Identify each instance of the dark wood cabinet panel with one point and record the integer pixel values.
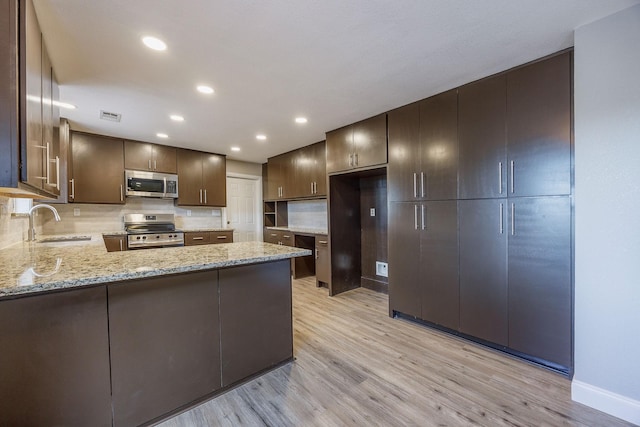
(193, 238)
(115, 243)
(359, 145)
(150, 157)
(201, 179)
(439, 145)
(540, 296)
(482, 138)
(323, 262)
(217, 237)
(274, 173)
(33, 125)
(370, 141)
(165, 348)
(340, 149)
(439, 263)
(319, 168)
(165, 158)
(97, 169)
(539, 127)
(483, 269)
(404, 258)
(54, 363)
(214, 179)
(9, 90)
(297, 174)
(189, 178)
(255, 319)
(403, 171)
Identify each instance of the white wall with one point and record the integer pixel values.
(607, 215)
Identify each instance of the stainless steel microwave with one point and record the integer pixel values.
(151, 184)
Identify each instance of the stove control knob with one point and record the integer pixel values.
(157, 237)
(144, 237)
(137, 237)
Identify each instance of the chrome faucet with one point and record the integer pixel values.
(32, 230)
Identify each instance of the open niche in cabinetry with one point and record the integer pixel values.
(275, 214)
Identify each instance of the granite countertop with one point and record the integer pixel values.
(30, 268)
(300, 230)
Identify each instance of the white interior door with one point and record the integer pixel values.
(242, 208)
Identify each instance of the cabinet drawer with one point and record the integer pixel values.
(221, 237)
(197, 238)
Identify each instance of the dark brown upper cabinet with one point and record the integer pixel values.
(279, 171)
(482, 109)
(201, 178)
(150, 157)
(309, 171)
(404, 153)
(30, 164)
(423, 149)
(359, 145)
(539, 128)
(96, 169)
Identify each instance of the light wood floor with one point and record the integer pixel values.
(356, 366)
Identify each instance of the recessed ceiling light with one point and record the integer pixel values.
(261, 137)
(235, 148)
(162, 135)
(154, 43)
(64, 105)
(205, 89)
(176, 118)
(301, 120)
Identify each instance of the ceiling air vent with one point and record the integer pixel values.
(112, 117)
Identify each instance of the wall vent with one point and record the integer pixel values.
(112, 117)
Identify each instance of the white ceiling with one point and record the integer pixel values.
(333, 61)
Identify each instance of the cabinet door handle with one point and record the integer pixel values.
(355, 156)
(513, 219)
(48, 151)
(197, 238)
(316, 253)
(201, 196)
(149, 164)
(322, 242)
(285, 236)
(500, 177)
(57, 173)
(221, 237)
(312, 188)
(415, 184)
(205, 196)
(422, 184)
(415, 216)
(72, 181)
(513, 167)
(501, 218)
(423, 217)
(121, 193)
(120, 241)
(155, 165)
(350, 159)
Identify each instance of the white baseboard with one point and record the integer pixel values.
(606, 401)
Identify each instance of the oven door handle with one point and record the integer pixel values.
(164, 187)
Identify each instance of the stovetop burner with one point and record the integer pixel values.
(152, 231)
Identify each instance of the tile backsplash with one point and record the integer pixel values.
(94, 218)
(12, 230)
(310, 214)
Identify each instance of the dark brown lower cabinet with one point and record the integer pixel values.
(255, 319)
(404, 259)
(323, 262)
(483, 269)
(540, 295)
(423, 265)
(54, 362)
(439, 263)
(115, 243)
(165, 347)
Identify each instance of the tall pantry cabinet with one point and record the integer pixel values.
(513, 210)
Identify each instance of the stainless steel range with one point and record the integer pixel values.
(152, 231)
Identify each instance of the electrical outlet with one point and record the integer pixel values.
(76, 211)
(382, 269)
(372, 212)
(188, 212)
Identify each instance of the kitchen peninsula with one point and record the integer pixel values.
(129, 338)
